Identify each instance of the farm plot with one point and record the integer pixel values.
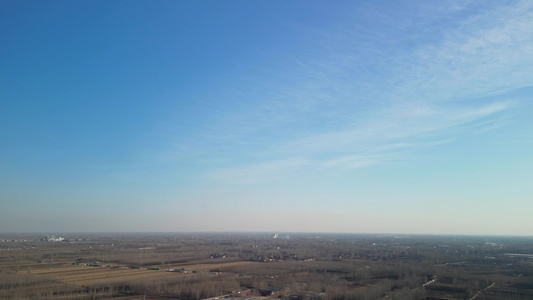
(88, 275)
(214, 266)
(82, 275)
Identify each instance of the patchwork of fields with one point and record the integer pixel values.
(305, 267)
(87, 275)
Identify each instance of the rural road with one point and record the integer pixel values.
(481, 291)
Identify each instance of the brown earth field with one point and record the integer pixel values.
(87, 275)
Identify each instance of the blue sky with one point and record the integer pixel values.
(344, 116)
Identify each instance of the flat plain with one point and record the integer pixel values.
(280, 266)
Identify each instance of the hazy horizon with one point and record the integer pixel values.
(389, 117)
(281, 235)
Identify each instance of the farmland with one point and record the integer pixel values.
(295, 266)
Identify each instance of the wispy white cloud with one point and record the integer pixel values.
(376, 143)
(354, 161)
(487, 53)
(360, 96)
(393, 146)
(259, 173)
(396, 124)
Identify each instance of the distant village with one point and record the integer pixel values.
(52, 238)
(47, 238)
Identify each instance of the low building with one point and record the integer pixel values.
(52, 238)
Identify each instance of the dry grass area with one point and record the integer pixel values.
(219, 265)
(86, 275)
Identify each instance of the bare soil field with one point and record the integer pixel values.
(217, 265)
(87, 275)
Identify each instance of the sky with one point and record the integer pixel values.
(293, 116)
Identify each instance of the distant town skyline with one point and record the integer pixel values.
(266, 116)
